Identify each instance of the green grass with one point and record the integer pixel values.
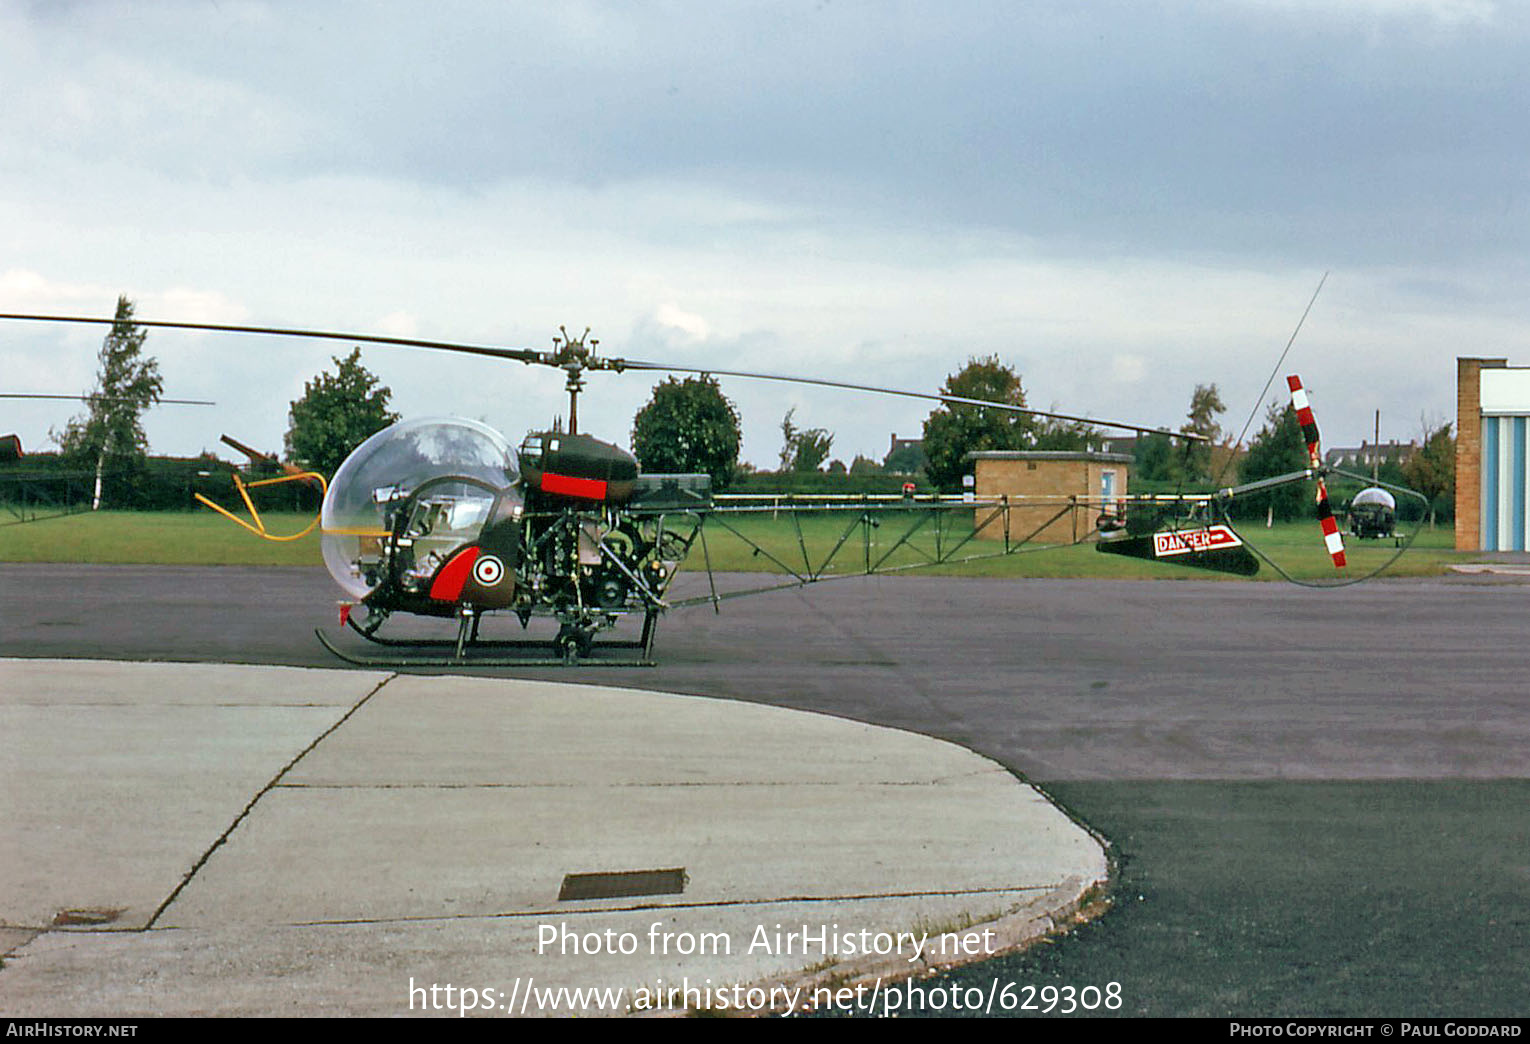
(155, 538)
(1296, 547)
(202, 538)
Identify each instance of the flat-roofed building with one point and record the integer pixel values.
(1055, 495)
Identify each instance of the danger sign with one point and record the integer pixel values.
(1189, 541)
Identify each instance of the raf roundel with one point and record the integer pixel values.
(488, 570)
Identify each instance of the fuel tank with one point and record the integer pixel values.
(579, 467)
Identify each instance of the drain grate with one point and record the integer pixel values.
(622, 884)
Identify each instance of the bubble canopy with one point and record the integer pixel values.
(1375, 497)
(387, 468)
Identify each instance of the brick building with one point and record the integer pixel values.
(1056, 495)
(1492, 455)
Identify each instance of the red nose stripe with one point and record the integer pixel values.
(568, 486)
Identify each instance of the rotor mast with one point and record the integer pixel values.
(574, 355)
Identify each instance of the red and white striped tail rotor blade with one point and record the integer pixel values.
(1332, 539)
(1331, 536)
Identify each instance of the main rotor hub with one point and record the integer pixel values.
(574, 353)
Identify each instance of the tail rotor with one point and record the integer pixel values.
(1332, 538)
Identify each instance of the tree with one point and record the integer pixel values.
(1432, 470)
(1205, 403)
(1277, 449)
(689, 426)
(1053, 433)
(864, 466)
(336, 414)
(906, 459)
(1195, 457)
(110, 436)
(789, 435)
(1153, 458)
(952, 431)
(1161, 458)
(803, 449)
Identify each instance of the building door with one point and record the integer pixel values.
(1505, 462)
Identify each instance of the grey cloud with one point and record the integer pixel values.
(1199, 128)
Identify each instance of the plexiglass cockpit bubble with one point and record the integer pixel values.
(379, 478)
(1375, 497)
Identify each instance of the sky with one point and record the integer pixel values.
(1120, 200)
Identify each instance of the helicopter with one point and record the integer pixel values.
(443, 518)
(1373, 514)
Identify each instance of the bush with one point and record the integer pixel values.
(822, 482)
(160, 484)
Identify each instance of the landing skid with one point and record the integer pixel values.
(467, 651)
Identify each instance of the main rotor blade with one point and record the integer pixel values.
(631, 364)
(526, 355)
(102, 398)
(529, 355)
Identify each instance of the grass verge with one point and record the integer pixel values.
(202, 538)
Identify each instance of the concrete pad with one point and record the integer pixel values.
(550, 734)
(116, 778)
(1492, 568)
(426, 839)
(484, 852)
(369, 969)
